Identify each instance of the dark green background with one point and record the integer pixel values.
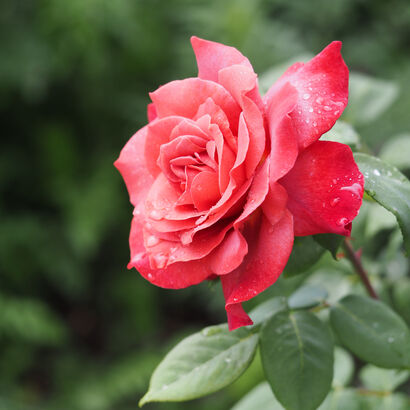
(77, 329)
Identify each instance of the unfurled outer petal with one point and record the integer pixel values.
(132, 166)
(269, 250)
(212, 57)
(176, 276)
(325, 189)
(322, 87)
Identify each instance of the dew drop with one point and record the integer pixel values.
(342, 221)
(314, 123)
(327, 108)
(156, 215)
(150, 276)
(152, 240)
(160, 260)
(306, 96)
(228, 360)
(355, 189)
(376, 172)
(334, 201)
(307, 121)
(336, 112)
(310, 109)
(319, 100)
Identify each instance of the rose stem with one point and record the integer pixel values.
(357, 264)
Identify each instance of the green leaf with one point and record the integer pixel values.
(267, 309)
(368, 98)
(305, 253)
(372, 331)
(383, 380)
(343, 368)
(297, 356)
(401, 298)
(390, 188)
(260, 397)
(342, 399)
(329, 241)
(307, 296)
(201, 364)
(344, 133)
(397, 401)
(396, 151)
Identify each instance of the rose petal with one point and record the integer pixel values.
(183, 98)
(132, 166)
(229, 254)
(284, 145)
(322, 86)
(176, 276)
(205, 190)
(151, 112)
(257, 193)
(181, 146)
(172, 250)
(159, 133)
(212, 57)
(269, 250)
(325, 189)
(219, 118)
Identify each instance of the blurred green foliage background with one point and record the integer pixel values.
(77, 330)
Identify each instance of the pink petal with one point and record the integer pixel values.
(205, 190)
(178, 147)
(132, 166)
(151, 112)
(322, 86)
(229, 254)
(275, 202)
(212, 57)
(184, 97)
(284, 145)
(325, 189)
(171, 250)
(159, 133)
(176, 276)
(218, 117)
(257, 193)
(269, 250)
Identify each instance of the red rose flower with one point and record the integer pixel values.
(222, 180)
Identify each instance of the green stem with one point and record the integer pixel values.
(357, 264)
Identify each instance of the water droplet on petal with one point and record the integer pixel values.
(156, 215)
(319, 100)
(152, 240)
(314, 123)
(342, 221)
(310, 109)
(307, 121)
(355, 189)
(150, 276)
(306, 96)
(336, 112)
(160, 260)
(334, 201)
(327, 108)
